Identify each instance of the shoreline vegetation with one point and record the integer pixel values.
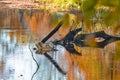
(39, 4)
(96, 13)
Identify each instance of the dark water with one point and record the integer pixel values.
(20, 28)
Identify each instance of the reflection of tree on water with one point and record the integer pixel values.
(88, 64)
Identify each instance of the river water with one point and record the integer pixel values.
(21, 28)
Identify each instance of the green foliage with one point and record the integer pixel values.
(63, 3)
(67, 3)
(107, 10)
(111, 3)
(88, 8)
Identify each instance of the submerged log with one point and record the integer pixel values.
(97, 39)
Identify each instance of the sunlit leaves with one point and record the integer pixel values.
(67, 3)
(62, 3)
(106, 10)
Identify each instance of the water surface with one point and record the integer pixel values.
(21, 28)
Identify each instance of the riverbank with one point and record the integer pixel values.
(20, 4)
